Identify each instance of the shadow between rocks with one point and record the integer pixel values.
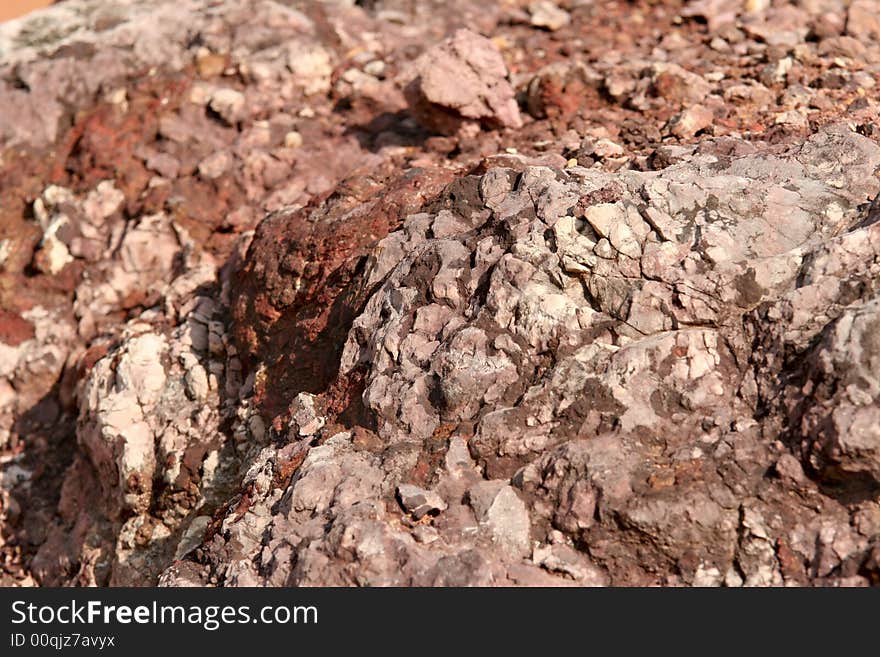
(45, 445)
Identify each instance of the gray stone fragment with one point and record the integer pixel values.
(467, 75)
(503, 515)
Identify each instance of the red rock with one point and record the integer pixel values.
(14, 329)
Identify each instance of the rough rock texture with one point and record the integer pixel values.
(427, 294)
(561, 367)
(465, 77)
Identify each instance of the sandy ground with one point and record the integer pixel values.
(13, 8)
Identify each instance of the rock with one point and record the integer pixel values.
(215, 165)
(260, 325)
(209, 64)
(863, 20)
(561, 89)
(566, 560)
(605, 148)
(163, 164)
(716, 13)
(420, 502)
(848, 442)
(504, 515)
(305, 416)
(144, 255)
(783, 26)
(146, 416)
(756, 6)
(193, 536)
(829, 25)
(754, 92)
(790, 468)
(311, 66)
(792, 118)
(464, 78)
(228, 103)
(53, 254)
(293, 139)
(376, 68)
(678, 85)
(548, 15)
(691, 121)
(458, 459)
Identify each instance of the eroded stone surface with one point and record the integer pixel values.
(525, 293)
(588, 336)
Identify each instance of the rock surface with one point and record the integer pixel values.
(463, 78)
(440, 294)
